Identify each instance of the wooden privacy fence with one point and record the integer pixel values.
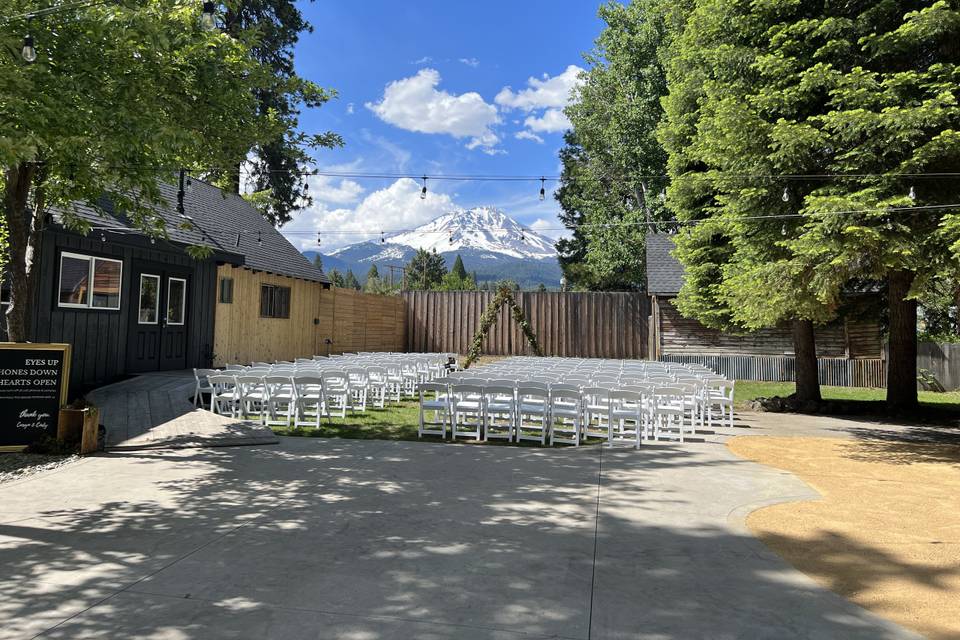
(942, 360)
(584, 325)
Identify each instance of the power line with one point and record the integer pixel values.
(63, 8)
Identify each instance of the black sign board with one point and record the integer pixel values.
(33, 387)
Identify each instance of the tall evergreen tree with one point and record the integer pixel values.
(336, 278)
(373, 272)
(604, 194)
(274, 167)
(350, 281)
(426, 270)
(318, 261)
(458, 269)
(862, 90)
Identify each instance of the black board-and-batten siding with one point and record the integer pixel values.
(100, 337)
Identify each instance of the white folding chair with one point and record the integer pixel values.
(596, 406)
(358, 382)
(280, 400)
(308, 399)
(202, 385)
(466, 404)
(668, 412)
(225, 398)
(336, 393)
(500, 417)
(565, 411)
(252, 396)
(626, 416)
(533, 412)
(719, 393)
(435, 412)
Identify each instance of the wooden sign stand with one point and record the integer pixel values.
(25, 391)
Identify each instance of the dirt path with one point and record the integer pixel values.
(886, 534)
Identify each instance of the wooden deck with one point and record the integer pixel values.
(154, 410)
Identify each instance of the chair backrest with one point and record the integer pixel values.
(621, 397)
(531, 391)
(564, 391)
(498, 390)
(464, 389)
(333, 377)
(431, 386)
(235, 367)
(222, 380)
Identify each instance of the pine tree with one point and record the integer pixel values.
(336, 278)
(426, 270)
(373, 272)
(458, 269)
(863, 90)
(318, 261)
(350, 281)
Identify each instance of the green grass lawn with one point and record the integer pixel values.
(399, 422)
(396, 422)
(935, 408)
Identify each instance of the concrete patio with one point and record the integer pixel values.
(154, 410)
(328, 538)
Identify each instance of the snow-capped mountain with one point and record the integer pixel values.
(492, 245)
(482, 228)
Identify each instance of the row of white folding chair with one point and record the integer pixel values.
(504, 408)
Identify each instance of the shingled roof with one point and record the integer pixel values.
(664, 272)
(217, 217)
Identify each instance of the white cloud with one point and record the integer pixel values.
(528, 135)
(415, 104)
(349, 108)
(550, 228)
(552, 121)
(333, 190)
(550, 92)
(423, 60)
(470, 62)
(395, 207)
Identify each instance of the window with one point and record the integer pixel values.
(176, 300)
(226, 290)
(274, 301)
(77, 272)
(149, 298)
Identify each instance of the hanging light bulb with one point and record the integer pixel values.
(259, 239)
(238, 239)
(523, 235)
(208, 18)
(382, 239)
(786, 195)
(189, 185)
(318, 239)
(423, 191)
(153, 240)
(451, 236)
(913, 193)
(103, 237)
(543, 191)
(29, 52)
(663, 195)
(783, 229)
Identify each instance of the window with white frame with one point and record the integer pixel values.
(89, 282)
(176, 300)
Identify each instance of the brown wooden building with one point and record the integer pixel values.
(856, 341)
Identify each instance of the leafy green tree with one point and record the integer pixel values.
(336, 278)
(426, 270)
(604, 196)
(458, 269)
(542, 288)
(451, 282)
(273, 168)
(859, 90)
(120, 96)
(350, 281)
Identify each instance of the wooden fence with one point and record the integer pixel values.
(837, 372)
(585, 325)
(942, 360)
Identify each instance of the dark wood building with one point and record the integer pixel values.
(855, 339)
(129, 303)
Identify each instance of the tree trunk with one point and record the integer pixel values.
(902, 351)
(22, 240)
(805, 357)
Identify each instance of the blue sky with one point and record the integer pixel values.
(437, 87)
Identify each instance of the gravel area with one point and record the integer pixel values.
(17, 466)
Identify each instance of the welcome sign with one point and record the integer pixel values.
(33, 387)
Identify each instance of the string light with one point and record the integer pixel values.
(29, 51)
(208, 18)
(382, 239)
(238, 240)
(423, 191)
(319, 242)
(913, 193)
(103, 237)
(663, 196)
(523, 235)
(783, 229)
(543, 191)
(259, 239)
(786, 195)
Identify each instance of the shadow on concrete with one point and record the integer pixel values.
(344, 539)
